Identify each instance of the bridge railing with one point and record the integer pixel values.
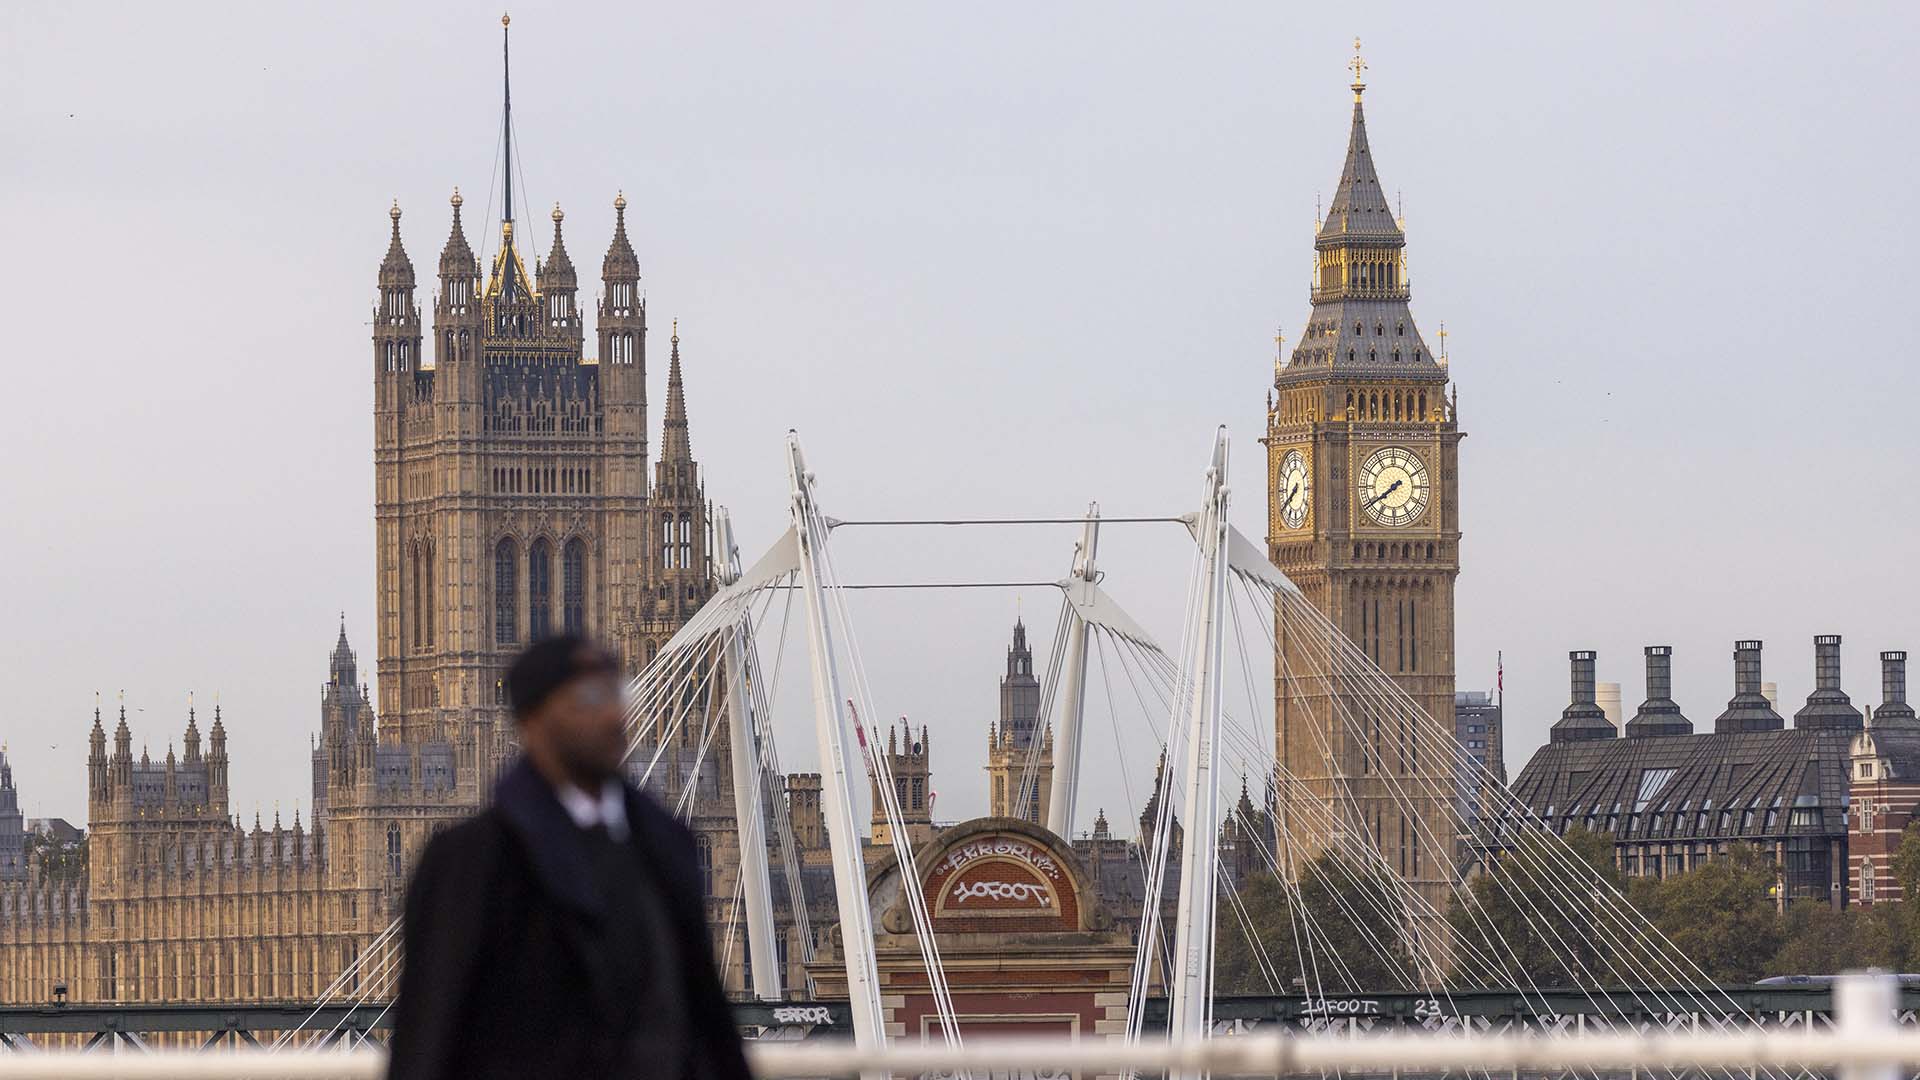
(1864, 1044)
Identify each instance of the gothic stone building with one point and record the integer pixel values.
(1363, 515)
(512, 501)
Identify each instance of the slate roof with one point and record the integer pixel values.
(1361, 330)
(1726, 786)
(1359, 210)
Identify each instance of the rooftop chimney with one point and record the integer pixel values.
(1659, 715)
(1893, 692)
(1828, 707)
(1748, 709)
(1583, 720)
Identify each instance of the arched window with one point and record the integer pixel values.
(413, 567)
(539, 590)
(703, 858)
(394, 863)
(686, 541)
(432, 602)
(573, 586)
(506, 593)
(666, 542)
(1866, 882)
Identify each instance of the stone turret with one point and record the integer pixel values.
(1019, 739)
(909, 758)
(13, 827)
(803, 807)
(560, 285)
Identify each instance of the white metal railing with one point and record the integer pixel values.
(1863, 1044)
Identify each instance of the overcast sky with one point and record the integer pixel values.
(992, 260)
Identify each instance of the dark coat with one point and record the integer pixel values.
(507, 952)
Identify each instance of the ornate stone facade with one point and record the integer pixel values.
(1019, 747)
(1363, 496)
(512, 501)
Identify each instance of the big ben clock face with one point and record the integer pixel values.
(1294, 488)
(1393, 486)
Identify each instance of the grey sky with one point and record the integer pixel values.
(996, 260)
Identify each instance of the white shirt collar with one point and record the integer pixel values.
(610, 809)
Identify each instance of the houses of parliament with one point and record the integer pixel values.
(517, 494)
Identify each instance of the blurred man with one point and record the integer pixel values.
(561, 931)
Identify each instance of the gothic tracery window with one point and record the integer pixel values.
(539, 589)
(427, 609)
(573, 587)
(506, 592)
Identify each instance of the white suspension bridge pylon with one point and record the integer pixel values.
(1350, 919)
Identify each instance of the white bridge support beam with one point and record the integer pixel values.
(1066, 737)
(836, 787)
(749, 784)
(1191, 1013)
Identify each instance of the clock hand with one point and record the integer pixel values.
(1391, 488)
(1288, 501)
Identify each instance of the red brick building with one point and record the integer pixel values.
(1884, 787)
(1027, 946)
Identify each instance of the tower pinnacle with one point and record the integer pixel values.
(675, 444)
(1357, 65)
(506, 124)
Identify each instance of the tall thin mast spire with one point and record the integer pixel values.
(506, 114)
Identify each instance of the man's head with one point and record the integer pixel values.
(566, 695)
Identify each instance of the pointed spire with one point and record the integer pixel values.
(558, 272)
(192, 740)
(506, 122)
(1359, 205)
(620, 263)
(396, 269)
(342, 666)
(456, 259)
(675, 444)
(122, 737)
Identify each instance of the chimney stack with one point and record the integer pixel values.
(1893, 691)
(1748, 709)
(1582, 720)
(1659, 715)
(1828, 707)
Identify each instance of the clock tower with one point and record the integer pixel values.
(1363, 515)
